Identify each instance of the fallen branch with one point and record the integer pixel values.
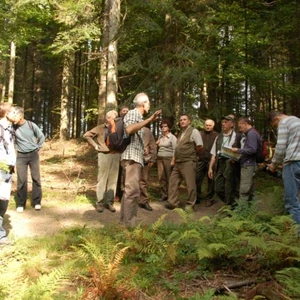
(234, 285)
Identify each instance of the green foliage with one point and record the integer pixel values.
(290, 279)
(27, 276)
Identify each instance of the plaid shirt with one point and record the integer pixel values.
(288, 141)
(135, 149)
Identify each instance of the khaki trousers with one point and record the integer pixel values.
(186, 172)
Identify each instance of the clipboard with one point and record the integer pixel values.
(228, 153)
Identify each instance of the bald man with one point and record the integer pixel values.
(208, 136)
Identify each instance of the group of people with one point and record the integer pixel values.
(188, 157)
(28, 139)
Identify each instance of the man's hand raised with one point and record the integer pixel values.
(155, 115)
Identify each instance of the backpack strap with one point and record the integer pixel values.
(3, 139)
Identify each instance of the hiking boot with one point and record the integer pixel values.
(99, 207)
(110, 207)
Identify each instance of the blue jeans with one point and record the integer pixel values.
(291, 181)
(31, 160)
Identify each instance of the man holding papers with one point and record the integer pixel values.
(221, 166)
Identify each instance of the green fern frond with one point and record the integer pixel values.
(204, 253)
(218, 247)
(47, 285)
(254, 242)
(290, 279)
(155, 226)
(184, 214)
(205, 219)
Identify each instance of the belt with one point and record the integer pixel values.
(28, 152)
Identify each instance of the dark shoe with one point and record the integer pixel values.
(146, 206)
(170, 206)
(99, 207)
(209, 202)
(110, 207)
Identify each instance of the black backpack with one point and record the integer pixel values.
(114, 136)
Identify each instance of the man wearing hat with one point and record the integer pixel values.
(221, 167)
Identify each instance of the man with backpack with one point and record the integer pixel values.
(132, 158)
(248, 159)
(108, 164)
(7, 163)
(29, 140)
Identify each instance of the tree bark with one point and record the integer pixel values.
(103, 64)
(112, 60)
(65, 96)
(108, 87)
(11, 82)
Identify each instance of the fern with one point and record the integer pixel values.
(47, 285)
(104, 269)
(290, 279)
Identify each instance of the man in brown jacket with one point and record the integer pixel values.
(108, 165)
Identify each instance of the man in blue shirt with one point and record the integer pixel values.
(247, 159)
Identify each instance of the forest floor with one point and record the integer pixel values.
(69, 174)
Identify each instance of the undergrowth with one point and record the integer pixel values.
(158, 260)
(162, 261)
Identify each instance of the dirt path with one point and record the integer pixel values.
(66, 170)
(51, 219)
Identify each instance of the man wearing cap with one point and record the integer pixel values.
(220, 166)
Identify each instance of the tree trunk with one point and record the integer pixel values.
(103, 64)
(112, 60)
(11, 82)
(65, 96)
(107, 98)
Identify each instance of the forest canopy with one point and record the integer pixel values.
(67, 62)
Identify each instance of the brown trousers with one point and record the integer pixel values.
(131, 195)
(184, 171)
